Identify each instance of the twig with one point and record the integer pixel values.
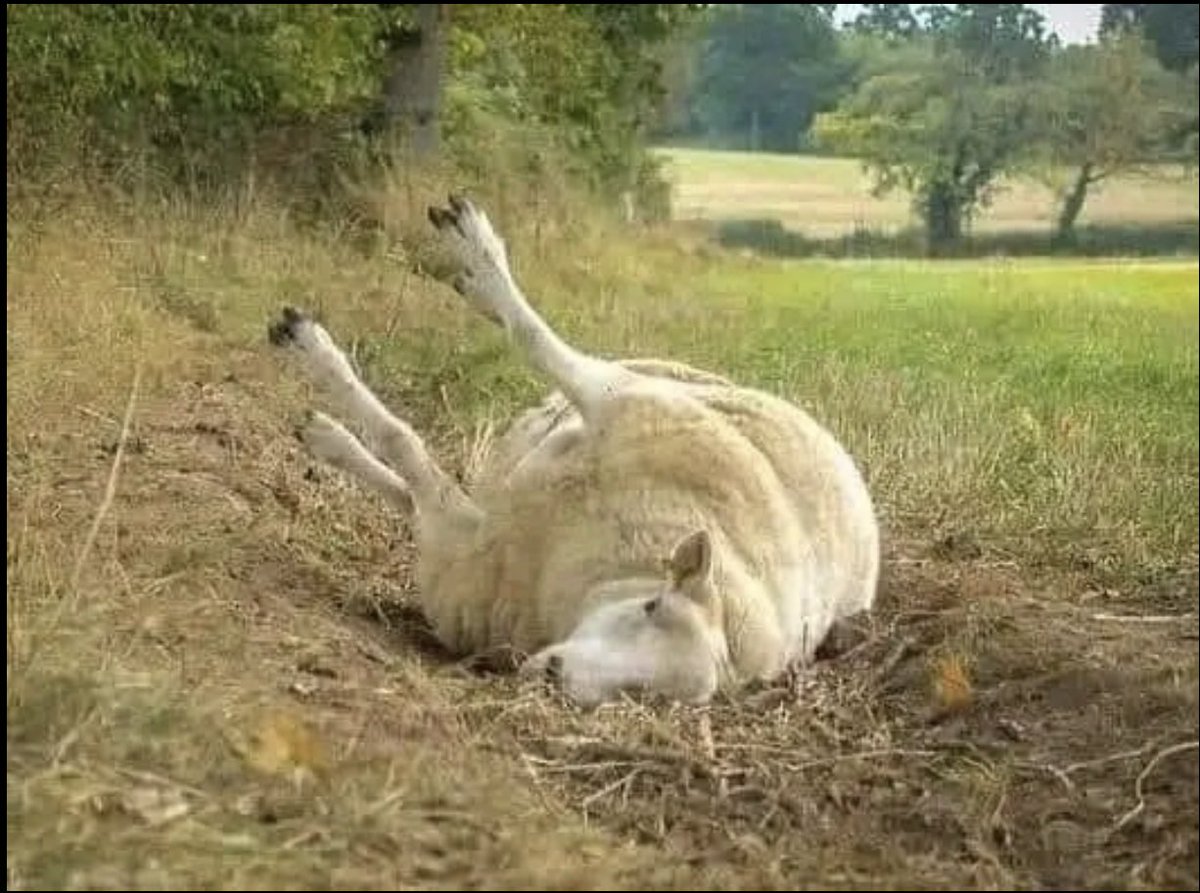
(98, 416)
(650, 756)
(384, 802)
(777, 799)
(627, 778)
(864, 755)
(755, 746)
(893, 660)
(306, 836)
(1053, 770)
(1140, 806)
(853, 650)
(1144, 618)
(67, 741)
(1064, 773)
(706, 738)
(110, 488)
(1111, 758)
(163, 781)
(552, 767)
(538, 783)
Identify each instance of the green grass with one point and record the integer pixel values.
(999, 398)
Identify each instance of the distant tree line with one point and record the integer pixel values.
(941, 100)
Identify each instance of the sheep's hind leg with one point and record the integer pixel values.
(487, 282)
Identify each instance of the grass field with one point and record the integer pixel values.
(216, 680)
(824, 200)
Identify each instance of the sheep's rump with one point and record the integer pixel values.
(555, 414)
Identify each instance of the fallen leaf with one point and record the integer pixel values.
(952, 689)
(283, 744)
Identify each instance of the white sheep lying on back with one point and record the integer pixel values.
(650, 527)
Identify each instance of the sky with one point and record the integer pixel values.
(1072, 22)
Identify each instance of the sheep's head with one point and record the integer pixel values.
(660, 638)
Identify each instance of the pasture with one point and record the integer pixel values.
(216, 678)
(826, 197)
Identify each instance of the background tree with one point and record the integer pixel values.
(764, 71)
(946, 127)
(894, 21)
(1107, 109)
(411, 101)
(1173, 29)
(1174, 32)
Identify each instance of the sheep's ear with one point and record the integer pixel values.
(691, 560)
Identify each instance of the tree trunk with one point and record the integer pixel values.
(943, 217)
(412, 97)
(1073, 203)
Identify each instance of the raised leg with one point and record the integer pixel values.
(487, 282)
(329, 441)
(432, 492)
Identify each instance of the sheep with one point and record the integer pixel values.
(648, 529)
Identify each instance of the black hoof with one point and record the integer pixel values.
(443, 218)
(283, 331)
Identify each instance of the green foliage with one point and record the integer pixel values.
(1105, 104)
(115, 78)
(888, 20)
(1005, 41)
(1172, 28)
(580, 80)
(764, 71)
(944, 126)
(1102, 109)
(199, 92)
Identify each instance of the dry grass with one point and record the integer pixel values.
(225, 686)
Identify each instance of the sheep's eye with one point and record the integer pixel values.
(650, 606)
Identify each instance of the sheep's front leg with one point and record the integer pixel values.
(432, 492)
(329, 441)
(487, 282)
